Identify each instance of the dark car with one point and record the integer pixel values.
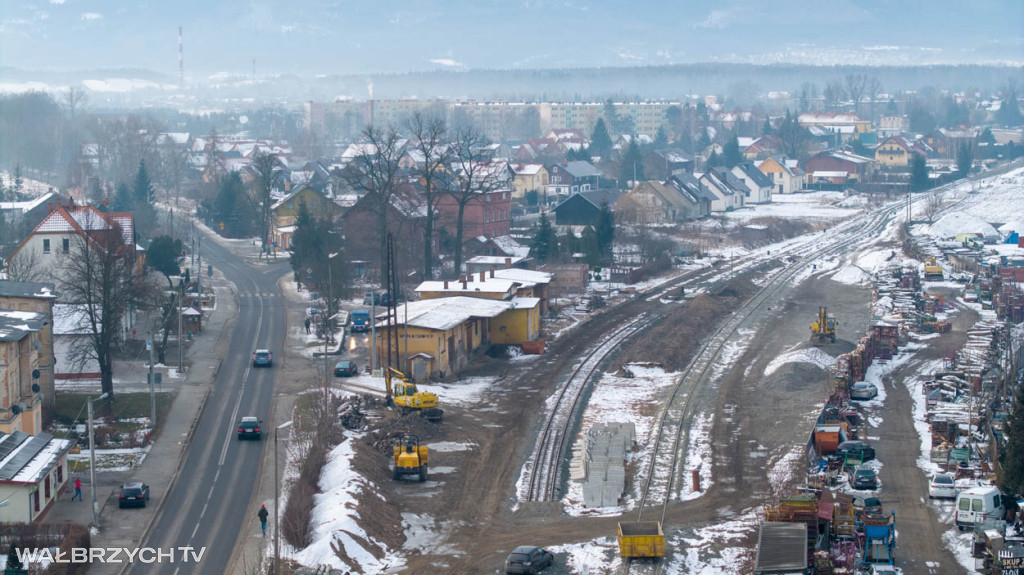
(134, 494)
(262, 358)
(866, 506)
(864, 478)
(866, 450)
(345, 369)
(249, 428)
(527, 559)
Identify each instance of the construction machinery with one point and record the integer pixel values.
(932, 270)
(410, 457)
(402, 392)
(824, 328)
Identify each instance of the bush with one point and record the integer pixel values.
(77, 536)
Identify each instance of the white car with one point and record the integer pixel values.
(863, 390)
(941, 485)
(884, 570)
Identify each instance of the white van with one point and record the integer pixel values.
(978, 504)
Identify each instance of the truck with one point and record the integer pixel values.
(360, 321)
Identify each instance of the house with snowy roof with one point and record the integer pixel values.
(21, 397)
(528, 177)
(584, 208)
(845, 126)
(654, 202)
(786, 175)
(829, 163)
(570, 177)
(730, 193)
(897, 151)
(33, 473)
(61, 233)
(759, 185)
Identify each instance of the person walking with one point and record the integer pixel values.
(78, 490)
(307, 326)
(262, 514)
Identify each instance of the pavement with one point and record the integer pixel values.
(129, 527)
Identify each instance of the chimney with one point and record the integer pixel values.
(508, 263)
(492, 271)
(445, 284)
(483, 276)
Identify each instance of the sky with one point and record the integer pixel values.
(365, 36)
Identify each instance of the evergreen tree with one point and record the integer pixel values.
(1013, 456)
(714, 160)
(731, 154)
(1009, 110)
(304, 243)
(13, 561)
(232, 211)
(606, 232)
(145, 215)
(986, 137)
(162, 256)
(18, 183)
(632, 165)
(704, 141)
(919, 173)
(964, 159)
(767, 129)
(600, 141)
(661, 138)
(123, 201)
(589, 246)
(545, 241)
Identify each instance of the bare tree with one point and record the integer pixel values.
(429, 135)
(856, 84)
(25, 266)
(872, 89)
(267, 171)
(377, 174)
(74, 100)
(475, 175)
(932, 205)
(97, 275)
(833, 94)
(124, 142)
(173, 163)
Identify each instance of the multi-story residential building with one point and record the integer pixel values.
(528, 177)
(897, 151)
(35, 298)
(572, 177)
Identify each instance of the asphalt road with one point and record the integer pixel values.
(207, 506)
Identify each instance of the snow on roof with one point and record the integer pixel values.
(489, 285)
(830, 174)
(527, 169)
(949, 225)
(446, 313)
(28, 206)
(1014, 226)
(525, 278)
(509, 245)
(526, 302)
(190, 311)
(27, 289)
(287, 229)
(496, 261)
(42, 460)
(15, 325)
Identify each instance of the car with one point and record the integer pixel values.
(866, 450)
(863, 391)
(249, 428)
(262, 358)
(527, 559)
(882, 570)
(134, 494)
(345, 369)
(864, 478)
(941, 485)
(866, 506)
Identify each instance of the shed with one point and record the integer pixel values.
(191, 320)
(781, 548)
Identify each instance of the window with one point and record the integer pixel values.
(65, 245)
(46, 246)
(35, 500)
(60, 473)
(46, 484)
(978, 504)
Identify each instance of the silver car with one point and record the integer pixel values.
(863, 391)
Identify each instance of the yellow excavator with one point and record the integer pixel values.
(824, 328)
(402, 392)
(410, 457)
(932, 270)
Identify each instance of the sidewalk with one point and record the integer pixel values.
(127, 528)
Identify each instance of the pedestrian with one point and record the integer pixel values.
(78, 490)
(307, 326)
(262, 514)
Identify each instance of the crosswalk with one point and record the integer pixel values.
(256, 294)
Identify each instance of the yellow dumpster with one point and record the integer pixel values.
(641, 539)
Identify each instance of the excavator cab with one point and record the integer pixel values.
(403, 393)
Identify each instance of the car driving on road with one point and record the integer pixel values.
(134, 494)
(262, 358)
(249, 428)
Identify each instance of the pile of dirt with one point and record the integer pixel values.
(384, 524)
(386, 429)
(796, 377)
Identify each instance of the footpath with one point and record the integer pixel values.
(129, 527)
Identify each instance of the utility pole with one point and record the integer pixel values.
(152, 383)
(373, 330)
(92, 463)
(181, 298)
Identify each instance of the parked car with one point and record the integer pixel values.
(866, 506)
(526, 559)
(134, 494)
(249, 428)
(345, 369)
(262, 358)
(978, 504)
(863, 391)
(882, 570)
(866, 450)
(942, 485)
(864, 478)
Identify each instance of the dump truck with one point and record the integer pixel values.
(402, 393)
(932, 270)
(641, 539)
(410, 457)
(824, 328)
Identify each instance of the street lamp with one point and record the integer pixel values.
(329, 313)
(277, 491)
(92, 463)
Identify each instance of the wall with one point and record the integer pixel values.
(515, 326)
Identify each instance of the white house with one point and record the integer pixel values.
(786, 174)
(33, 472)
(759, 185)
(730, 193)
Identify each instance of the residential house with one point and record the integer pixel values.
(654, 202)
(487, 214)
(730, 193)
(758, 184)
(584, 208)
(673, 160)
(404, 216)
(764, 147)
(623, 141)
(530, 283)
(897, 151)
(858, 168)
(889, 126)
(33, 473)
(786, 175)
(569, 139)
(471, 285)
(37, 298)
(56, 238)
(695, 192)
(844, 125)
(529, 177)
(286, 211)
(72, 341)
(499, 247)
(570, 177)
(20, 218)
(21, 340)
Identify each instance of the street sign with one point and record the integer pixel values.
(149, 345)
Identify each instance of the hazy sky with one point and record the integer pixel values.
(346, 36)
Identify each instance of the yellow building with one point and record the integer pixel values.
(439, 336)
(20, 392)
(286, 211)
(528, 177)
(896, 151)
(472, 285)
(838, 122)
(39, 298)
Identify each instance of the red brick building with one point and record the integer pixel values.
(487, 215)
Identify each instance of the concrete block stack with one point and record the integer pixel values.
(604, 463)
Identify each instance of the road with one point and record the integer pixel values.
(207, 506)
